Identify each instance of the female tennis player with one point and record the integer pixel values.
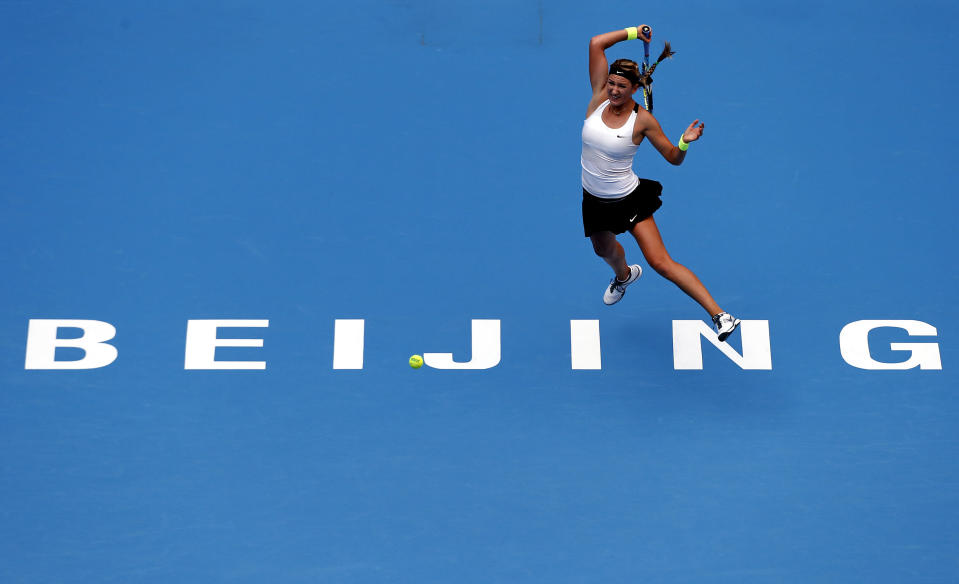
(615, 200)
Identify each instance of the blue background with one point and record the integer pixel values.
(415, 164)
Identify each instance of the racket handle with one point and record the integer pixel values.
(648, 34)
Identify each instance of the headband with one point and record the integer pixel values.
(631, 75)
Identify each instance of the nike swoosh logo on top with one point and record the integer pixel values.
(633, 218)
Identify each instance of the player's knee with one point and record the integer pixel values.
(604, 249)
(662, 264)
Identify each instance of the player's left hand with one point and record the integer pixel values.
(693, 132)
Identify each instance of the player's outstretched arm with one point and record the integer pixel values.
(654, 133)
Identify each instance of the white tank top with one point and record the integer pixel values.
(608, 156)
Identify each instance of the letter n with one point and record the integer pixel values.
(688, 350)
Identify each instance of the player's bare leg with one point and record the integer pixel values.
(607, 247)
(651, 243)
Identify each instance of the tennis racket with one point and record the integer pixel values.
(647, 77)
(647, 88)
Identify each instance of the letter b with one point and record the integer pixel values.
(42, 343)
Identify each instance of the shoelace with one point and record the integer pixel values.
(620, 286)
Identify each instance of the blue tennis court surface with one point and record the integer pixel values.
(343, 185)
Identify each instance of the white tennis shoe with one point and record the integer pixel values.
(725, 324)
(616, 289)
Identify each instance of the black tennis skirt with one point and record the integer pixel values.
(619, 215)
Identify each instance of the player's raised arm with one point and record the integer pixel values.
(598, 65)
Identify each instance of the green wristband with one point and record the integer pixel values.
(632, 34)
(683, 145)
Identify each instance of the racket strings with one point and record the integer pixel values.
(646, 78)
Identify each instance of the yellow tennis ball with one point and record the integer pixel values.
(416, 361)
